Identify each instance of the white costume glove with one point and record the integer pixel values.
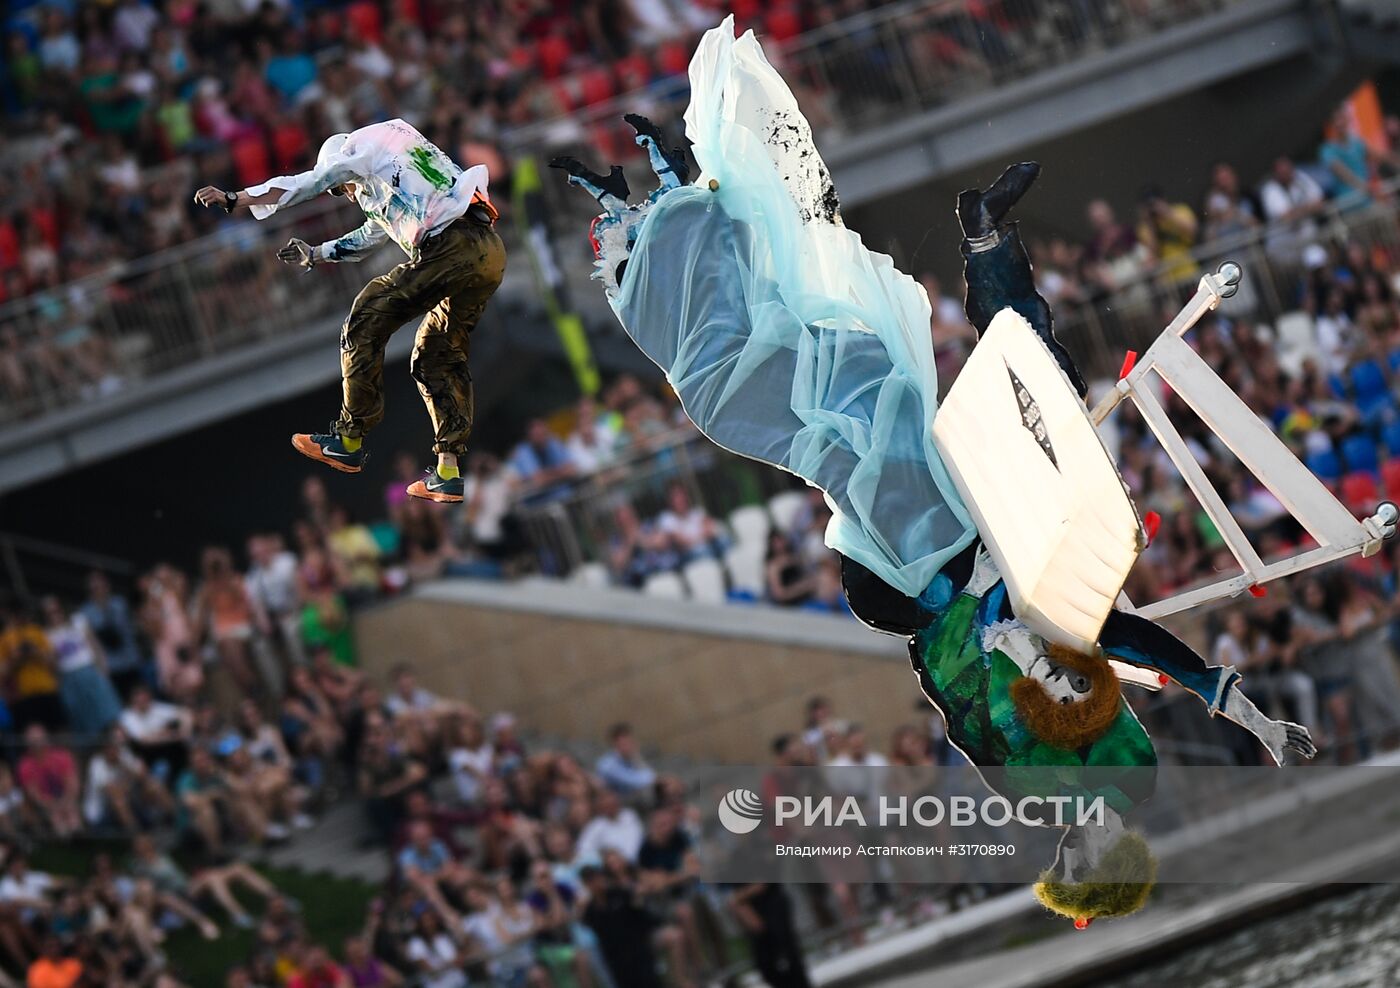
(298, 252)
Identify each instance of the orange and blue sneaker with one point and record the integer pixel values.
(435, 487)
(328, 448)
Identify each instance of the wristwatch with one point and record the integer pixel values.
(230, 200)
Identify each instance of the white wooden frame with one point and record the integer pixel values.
(1337, 532)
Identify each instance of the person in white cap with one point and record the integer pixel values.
(441, 216)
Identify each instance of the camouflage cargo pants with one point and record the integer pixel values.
(449, 284)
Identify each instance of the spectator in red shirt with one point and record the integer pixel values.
(319, 971)
(49, 777)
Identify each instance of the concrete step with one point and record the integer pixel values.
(334, 846)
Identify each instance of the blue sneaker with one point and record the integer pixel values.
(328, 449)
(434, 488)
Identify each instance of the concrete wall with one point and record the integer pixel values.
(707, 682)
(711, 683)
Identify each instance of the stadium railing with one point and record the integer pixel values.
(28, 564)
(573, 523)
(867, 69)
(1131, 316)
(183, 304)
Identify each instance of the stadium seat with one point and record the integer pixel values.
(554, 54)
(1360, 492)
(596, 86)
(1390, 477)
(1295, 332)
(250, 160)
(744, 563)
(749, 525)
(673, 59)
(290, 146)
(782, 24)
(590, 575)
(633, 72)
(784, 508)
(668, 586)
(1326, 464)
(1367, 379)
(705, 578)
(364, 21)
(1359, 453)
(1390, 435)
(1369, 385)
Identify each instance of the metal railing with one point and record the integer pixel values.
(1099, 330)
(137, 319)
(865, 70)
(28, 565)
(569, 524)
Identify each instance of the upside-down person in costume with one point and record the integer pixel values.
(440, 216)
(789, 342)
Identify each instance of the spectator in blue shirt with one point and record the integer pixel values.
(109, 617)
(623, 769)
(291, 70)
(541, 459)
(424, 856)
(1350, 162)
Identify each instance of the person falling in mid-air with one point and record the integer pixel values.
(788, 341)
(441, 216)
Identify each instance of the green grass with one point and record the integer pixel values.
(333, 908)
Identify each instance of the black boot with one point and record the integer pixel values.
(613, 184)
(676, 163)
(981, 213)
(997, 267)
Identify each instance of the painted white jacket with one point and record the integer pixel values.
(408, 188)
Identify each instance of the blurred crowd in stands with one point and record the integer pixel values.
(170, 734)
(112, 105)
(108, 101)
(1172, 240)
(221, 711)
(116, 109)
(191, 717)
(1326, 377)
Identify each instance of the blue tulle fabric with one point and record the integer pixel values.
(785, 338)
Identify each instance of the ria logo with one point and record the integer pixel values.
(740, 811)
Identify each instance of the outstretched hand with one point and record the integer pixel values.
(298, 252)
(210, 196)
(1276, 735)
(1282, 735)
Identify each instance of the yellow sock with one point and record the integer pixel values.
(448, 473)
(351, 443)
